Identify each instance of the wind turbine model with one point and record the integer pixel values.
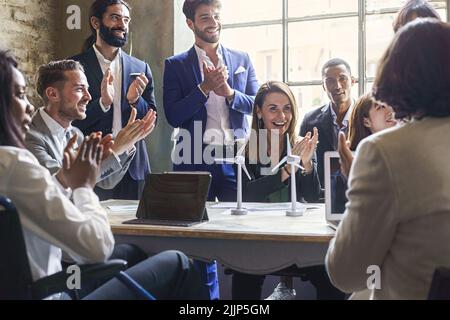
(293, 161)
(239, 160)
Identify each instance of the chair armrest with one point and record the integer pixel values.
(56, 283)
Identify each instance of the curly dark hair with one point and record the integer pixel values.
(414, 74)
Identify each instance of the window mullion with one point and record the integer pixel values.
(362, 46)
(285, 42)
(448, 10)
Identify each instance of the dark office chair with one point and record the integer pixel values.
(440, 285)
(15, 275)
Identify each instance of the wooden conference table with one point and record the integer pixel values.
(261, 242)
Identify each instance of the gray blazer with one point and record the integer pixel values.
(45, 148)
(397, 216)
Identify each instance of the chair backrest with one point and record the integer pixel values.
(15, 273)
(16, 281)
(440, 286)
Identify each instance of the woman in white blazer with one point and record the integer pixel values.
(395, 231)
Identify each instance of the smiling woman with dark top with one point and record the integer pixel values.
(274, 117)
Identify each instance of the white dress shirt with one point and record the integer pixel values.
(345, 123)
(218, 129)
(63, 135)
(50, 221)
(116, 69)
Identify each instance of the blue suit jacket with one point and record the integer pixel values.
(184, 103)
(97, 120)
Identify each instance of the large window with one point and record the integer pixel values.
(290, 40)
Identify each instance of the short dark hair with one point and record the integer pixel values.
(98, 9)
(418, 8)
(413, 76)
(9, 133)
(335, 62)
(190, 7)
(51, 73)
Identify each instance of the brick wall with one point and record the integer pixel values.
(29, 28)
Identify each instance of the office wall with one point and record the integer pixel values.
(153, 41)
(29, 30)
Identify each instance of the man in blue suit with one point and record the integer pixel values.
(208, 93)
(117, 83)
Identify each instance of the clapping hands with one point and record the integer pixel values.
(134, 131)
(215, 79)
(81, 167)
(305, 148)
(137, 88)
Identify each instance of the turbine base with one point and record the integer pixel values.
(296, 213)
(239, 212)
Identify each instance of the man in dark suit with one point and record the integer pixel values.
(330, 119)
(117, 83)
(208, 92)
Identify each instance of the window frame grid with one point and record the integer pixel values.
(362, 15)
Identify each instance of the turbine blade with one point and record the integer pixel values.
(279, 164)
(224, 160)
(246, 172)
(241, 150)
(300, 167)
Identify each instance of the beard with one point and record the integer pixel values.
(71, 112)
(107, 34)
(205, 37)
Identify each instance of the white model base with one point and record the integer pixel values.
(239, 212)
(296, 213)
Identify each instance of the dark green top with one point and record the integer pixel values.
(267, 187)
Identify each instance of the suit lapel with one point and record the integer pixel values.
(229, 63)
(93, 66)
(126, 65)
(47, 137)
(327, 126)
(193, 59)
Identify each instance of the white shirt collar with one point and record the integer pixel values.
(55, 128)
(102, 59)
(202, 56)
(347, 116)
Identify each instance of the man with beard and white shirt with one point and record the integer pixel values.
(212, 88)
(114, 91)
